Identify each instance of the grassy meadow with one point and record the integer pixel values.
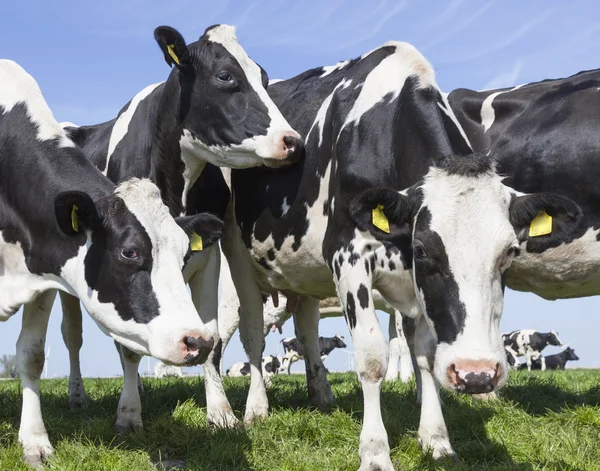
(543, 420)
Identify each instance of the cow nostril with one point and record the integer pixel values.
(191, 343)
(289, 143)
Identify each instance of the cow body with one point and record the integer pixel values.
(212, 108)
(294, 351)
(270, 366)
(553, 362)
(543, 136)
(79, 233)
(164, 371)
(374, 200)
(529, 343)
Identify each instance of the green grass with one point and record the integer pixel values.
(548, 420)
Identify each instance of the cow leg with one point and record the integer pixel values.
(306, 323)
(404, 351)
(251, 315)
(371, 356)
(409, 327)
(528, 359)
(129, 411)
(392, 368)
(204, 286)
(72, 335)
(30, 364)
(433, 434)
(229, 308)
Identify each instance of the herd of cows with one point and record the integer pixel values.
(348, 188)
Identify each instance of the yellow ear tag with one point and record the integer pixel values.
(74, 220)
(195, 242)
(171, 51)
(541, 224)
(379, 219)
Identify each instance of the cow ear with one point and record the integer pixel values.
(383, 212)
(204, 229)
(75, 211)
(172, 45)
(545, 219)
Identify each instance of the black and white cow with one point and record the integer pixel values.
(270, 366)
(529, 343)
(276, 312)
(214, 108)
(553, 362)
(377, 204)
(293, 350)
(64, 226)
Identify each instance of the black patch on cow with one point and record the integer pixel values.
(217, 355)
(466, 165)
(337, 269)
(372, 262)
(263, 263)
(325, 207)
(434, 277)
(363, 296)
(245, 371)
(367, 266)
(391, 265)
(353, 258)
(350, 310)
(271, 254)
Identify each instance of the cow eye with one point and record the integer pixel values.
(129, 254)
(224, 76)
(508, 256)
(419, 252)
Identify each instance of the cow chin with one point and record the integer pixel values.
(468, 370)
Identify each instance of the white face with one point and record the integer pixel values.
(161, 321)
(463, 243)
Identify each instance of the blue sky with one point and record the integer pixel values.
(90, 58)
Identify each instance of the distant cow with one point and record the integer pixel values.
(553, 362)
(294, 351)
(270, 367)
(530, 344)
(163, 371)
(511, 357)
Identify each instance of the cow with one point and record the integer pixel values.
(214, 108)
(163, 371)
(389, 197)
(65, 226)
(294, 351)
(274, 316)
(529, 343)
(552, 362)
(271, 366)
(511, 357)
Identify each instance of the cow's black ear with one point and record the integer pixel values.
(204, 229)
(264, 77)
(172, 45)
(383, 212)
(75, 211)
(545, 219)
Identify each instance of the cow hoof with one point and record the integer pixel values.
(127, 428)
(405, 378)
(380, 463)
(34, 455)
(439, 448)
(79, 401)
(255, 415)
(224, 420)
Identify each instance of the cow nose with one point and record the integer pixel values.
(197, 348)
(474, 377)
(294, 146)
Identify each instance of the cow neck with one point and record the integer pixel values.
(175, 166)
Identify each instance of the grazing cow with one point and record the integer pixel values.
(294, 351)
(64, 226)
(511, 357)
(529, 343)
(275, 316)
(163, 371)
(377, 204)
(553, 362)
(214, 108)
(270, 366)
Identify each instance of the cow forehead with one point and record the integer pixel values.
(142, 198)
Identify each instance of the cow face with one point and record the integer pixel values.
(128, 270)
(571, 354)
(467, 227)
(226, 114)
(339, 341)
(553, 339)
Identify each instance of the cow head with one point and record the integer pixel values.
(339, 341)
(226, 114)
(467, 227)
(571, 354)
(553, 339)
(128, 269)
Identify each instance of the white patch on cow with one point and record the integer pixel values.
(268, 145)
(67, 124)
(488, 114)
(236, 370)
(322, 113)
(470, 216)
(121, 125)
(328, 69)
(272, 81)
(388, 78)
(446, 108)
(570, 270)
(20, 87)
(284, 206)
